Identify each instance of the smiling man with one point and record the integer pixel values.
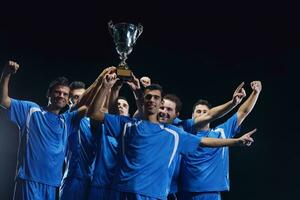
(147, 146)
(43, 134)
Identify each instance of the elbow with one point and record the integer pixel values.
(5, 102)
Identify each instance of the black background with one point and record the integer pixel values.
(193, 49)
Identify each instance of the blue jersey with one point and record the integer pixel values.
(146, 152)
(106, 158)
(174, 168)
(174, 171)
(43, 138)
(80, 152)
(207, 169)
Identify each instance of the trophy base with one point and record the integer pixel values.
(124, 74)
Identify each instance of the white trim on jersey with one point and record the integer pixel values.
(31, 111)
(128, 124)
(176, 142)
(123, 137)
(221, 130)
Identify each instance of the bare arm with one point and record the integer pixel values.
(145, 81)
(94, 110)
(221, 110)
(248, 105)
(137, 92)
(90, 92)
(112, 100)
(10, 68)
(245, 140)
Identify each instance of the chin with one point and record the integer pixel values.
(61, 106)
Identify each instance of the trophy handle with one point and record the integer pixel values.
(111, 27)
(140, 30)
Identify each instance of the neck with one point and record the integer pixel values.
(53, 109)
(205, 128)
(151, 117)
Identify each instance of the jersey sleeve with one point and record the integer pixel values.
(114, 124)
(187, 142)
(19, 111)
(72, 121)
(230, 127)
(188, 125)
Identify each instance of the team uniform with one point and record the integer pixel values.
(146, 153)
(174, 169)
(205, 173)
(79, 163)
(105, 163)
(42, 145)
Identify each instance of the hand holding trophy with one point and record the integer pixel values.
(124, 36)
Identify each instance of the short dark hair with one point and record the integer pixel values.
(202, 102)
(155, 87)
(77, 85)
(59, 81)
(176, 100)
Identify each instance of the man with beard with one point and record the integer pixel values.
(169, 113)
(43, 136)
(80, 154)
(147, 146)
(205, 172)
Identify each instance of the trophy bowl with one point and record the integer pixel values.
(124, 36)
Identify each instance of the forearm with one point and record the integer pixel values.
(112, 100)
(218, 142)
(214, 113)
(88, 95)
(138, 96)
(221, 110)
(247, 107)
(4, 98)
(95, 109)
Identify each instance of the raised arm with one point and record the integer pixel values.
(10, 68)
(221, 110)
(137, 92)
(90, 92)
(248, 105)
(245, 140)
(144, 81)
(111, 102)
(94, 110)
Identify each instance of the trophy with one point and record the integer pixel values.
(125, 36)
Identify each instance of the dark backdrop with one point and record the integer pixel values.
(193, 49)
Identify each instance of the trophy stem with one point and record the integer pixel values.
(123, 63)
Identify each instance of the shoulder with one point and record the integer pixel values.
(24, 103)
(112, 117)
(173, 128)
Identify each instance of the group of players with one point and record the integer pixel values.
(102, 153)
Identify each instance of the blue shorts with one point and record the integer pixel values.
(100, 193)
(30, 190)
(199, 196)
(74, 188)
(130, 196)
